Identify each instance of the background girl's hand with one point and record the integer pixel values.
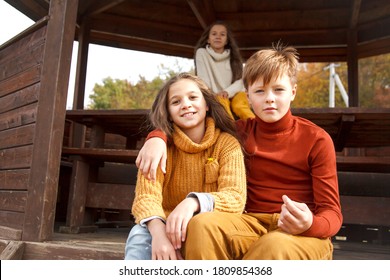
(223, 94)
(177, 221)
(152, 153)
(295, 217)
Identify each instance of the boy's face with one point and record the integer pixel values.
(272, 101)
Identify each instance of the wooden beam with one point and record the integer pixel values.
(145, 30)
(196, 10)
(363, 164)
(13, 251)
(140, 44)
(101, 154)
(374, 48)
(81, 68)
(355, 10)
(353, 68)
(32, 9)
(50, 121)
(101, 6)
(202, 11)
(10, 233)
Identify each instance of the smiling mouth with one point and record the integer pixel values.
(189, 114)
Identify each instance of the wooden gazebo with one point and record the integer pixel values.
(35, 67)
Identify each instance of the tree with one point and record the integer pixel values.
(374, 81)
(122, 94)
(313, 86)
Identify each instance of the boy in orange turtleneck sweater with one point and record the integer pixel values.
(293, 205)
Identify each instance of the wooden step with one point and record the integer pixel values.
(102, 154)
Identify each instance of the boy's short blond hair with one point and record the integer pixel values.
(271, 63)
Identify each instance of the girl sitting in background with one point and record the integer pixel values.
(218, 62)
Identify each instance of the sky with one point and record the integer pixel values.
(103, 61)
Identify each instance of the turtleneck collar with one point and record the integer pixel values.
(182, 142)
(218, 56)
(281, 125)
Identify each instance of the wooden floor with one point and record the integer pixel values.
(108, 244)
(360, 251)
(104, 244)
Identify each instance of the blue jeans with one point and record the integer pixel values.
(139, 244)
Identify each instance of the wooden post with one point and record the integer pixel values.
(50, 121)
(353, 69)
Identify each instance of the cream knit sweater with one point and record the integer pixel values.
(215, 166)
(214, 69)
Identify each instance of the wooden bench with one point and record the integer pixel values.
(102, 154)
(365, 202)
(374, 164)
(106, 138)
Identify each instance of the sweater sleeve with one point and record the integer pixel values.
(327, 217)
(148, 198)
(157, 133)
(201, 69)
(235, 87)
(231, 194)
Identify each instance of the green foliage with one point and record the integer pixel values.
(313, 86)
(374, 81)
(122, 94)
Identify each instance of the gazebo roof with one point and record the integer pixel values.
(320, 30)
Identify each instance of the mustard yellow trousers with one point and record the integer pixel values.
(238, 104)
(226, 236)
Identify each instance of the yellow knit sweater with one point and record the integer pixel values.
(214, 166)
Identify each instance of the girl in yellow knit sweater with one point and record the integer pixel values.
(205, 170)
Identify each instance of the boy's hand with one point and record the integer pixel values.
(295, 217)
(152, 153)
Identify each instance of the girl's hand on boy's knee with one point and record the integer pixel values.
(295, 217)
(177, 221)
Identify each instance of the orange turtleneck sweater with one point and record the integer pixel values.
(214, 167)
(293, 157)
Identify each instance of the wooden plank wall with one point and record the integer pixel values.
(20, 64)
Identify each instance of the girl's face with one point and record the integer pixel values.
(187, 108)
(272, 101)
(218, 38)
